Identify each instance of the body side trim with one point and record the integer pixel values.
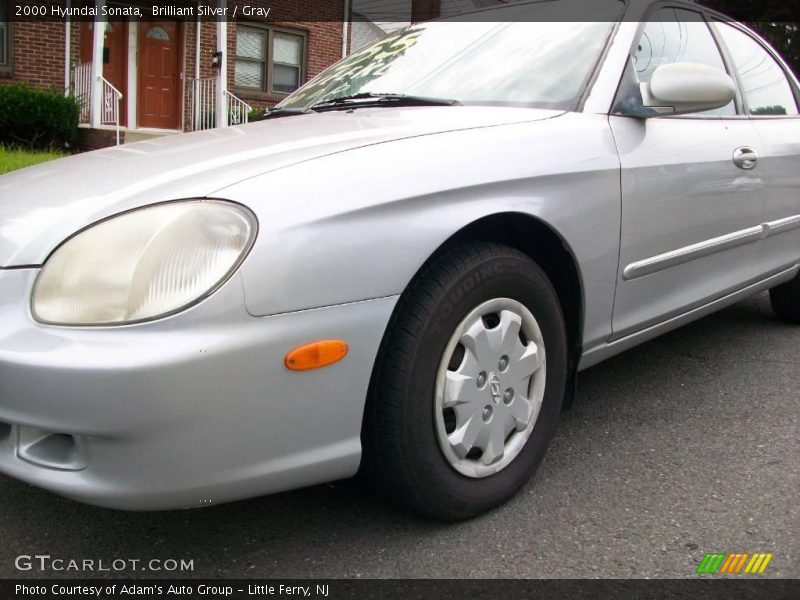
(781, 225)
(673, 258)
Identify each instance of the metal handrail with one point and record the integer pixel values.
(111, 105)
(238, 110)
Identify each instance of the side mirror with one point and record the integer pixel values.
(682, 88)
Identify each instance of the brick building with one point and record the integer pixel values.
(153, 77)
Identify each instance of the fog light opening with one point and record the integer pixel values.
(52, 450)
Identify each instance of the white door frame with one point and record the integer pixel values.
(133, 73)
(98, 35)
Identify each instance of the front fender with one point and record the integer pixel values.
(359, 224)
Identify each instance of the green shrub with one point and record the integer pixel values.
(37, 119)
(255, 113)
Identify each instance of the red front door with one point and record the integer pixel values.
(159, 75)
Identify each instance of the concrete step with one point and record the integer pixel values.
(133, 135)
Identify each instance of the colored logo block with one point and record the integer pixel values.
(734, 563)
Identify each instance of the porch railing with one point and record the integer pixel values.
(237, 109)
(203, 105)
(81, 87)
(111, 105)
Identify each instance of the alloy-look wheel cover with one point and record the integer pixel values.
(486, 406)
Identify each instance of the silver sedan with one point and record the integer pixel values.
(402, 268)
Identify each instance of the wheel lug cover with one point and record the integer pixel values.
(487, 413)
(508, 396)
(503, 363)
(481, 379)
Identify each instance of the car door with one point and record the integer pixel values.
(690, 207)
(770, 98)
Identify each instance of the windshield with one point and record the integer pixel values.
(528, 64)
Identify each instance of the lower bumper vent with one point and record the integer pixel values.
(53, 450)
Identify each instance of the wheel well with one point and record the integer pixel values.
(539, 241)
(543, 245)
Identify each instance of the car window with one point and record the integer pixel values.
(764, 83)
(676, 35)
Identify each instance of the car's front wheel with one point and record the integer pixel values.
(469, 383)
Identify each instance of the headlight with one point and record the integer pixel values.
(144, 264)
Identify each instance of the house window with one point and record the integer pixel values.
(158, 33)
(268, 59)
(251, 57)
(5, 37)
(286, 62)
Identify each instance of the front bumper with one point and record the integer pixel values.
(188, 411)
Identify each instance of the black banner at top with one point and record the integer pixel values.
(385, 11)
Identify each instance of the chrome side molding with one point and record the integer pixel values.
(660, 262)
(781, 225)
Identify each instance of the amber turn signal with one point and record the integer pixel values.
(315, 355)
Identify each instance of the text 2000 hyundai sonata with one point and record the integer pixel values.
(401, 269)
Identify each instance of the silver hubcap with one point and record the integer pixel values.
(489, 387)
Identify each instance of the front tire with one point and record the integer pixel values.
(785, 300)
(468, 385)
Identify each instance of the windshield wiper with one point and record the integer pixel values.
(376, 99)
(358, 100)
(274, 113)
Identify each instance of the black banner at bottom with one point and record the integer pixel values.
(461, 589)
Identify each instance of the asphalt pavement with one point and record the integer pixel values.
(685, 445)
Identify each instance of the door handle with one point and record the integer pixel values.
(745, 158)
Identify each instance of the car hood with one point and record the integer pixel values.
(42, 205)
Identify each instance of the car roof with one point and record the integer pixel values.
(631, 8)
(517, 4)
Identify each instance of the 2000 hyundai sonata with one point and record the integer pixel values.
(401, 269)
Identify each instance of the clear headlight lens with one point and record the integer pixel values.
(144, 264)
